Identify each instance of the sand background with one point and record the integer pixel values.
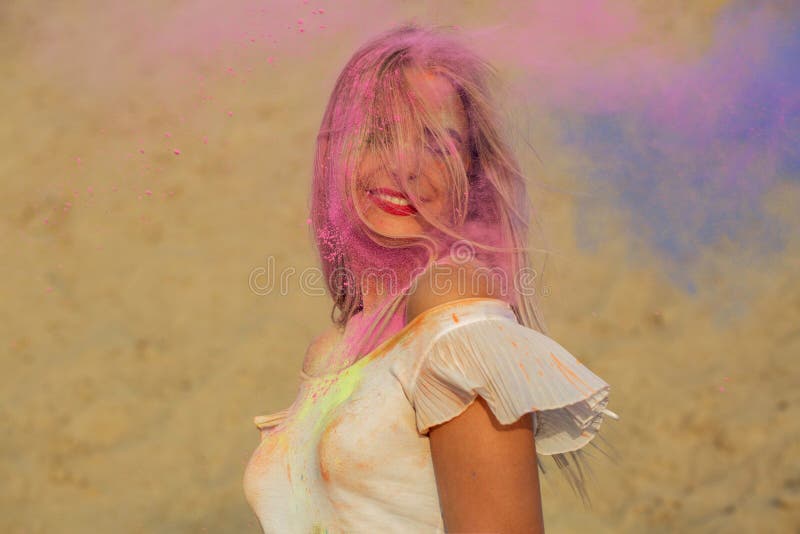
(135, 351)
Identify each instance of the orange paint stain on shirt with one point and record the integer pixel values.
(326, 476)
(403, 337)
(569, 374)
(424, 324)
(524, 371)
(364, 466)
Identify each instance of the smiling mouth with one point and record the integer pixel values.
(392, 201)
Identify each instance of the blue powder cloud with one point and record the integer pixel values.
(689, 180)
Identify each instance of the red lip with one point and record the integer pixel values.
(389, 207)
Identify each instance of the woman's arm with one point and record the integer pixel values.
(486, 472)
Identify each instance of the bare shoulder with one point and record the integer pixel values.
(447, 282)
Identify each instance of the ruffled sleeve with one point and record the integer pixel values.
(516, 369)
(265, 423)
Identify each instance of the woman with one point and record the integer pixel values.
(423, 407)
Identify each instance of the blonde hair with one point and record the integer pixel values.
(490, 208)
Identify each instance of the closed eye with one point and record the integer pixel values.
(454, 136)
(435, 150)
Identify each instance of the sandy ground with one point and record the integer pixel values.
(135, 353)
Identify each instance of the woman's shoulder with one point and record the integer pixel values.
(450, 282)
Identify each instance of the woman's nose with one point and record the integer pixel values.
(405, 169)
(407, 174)
(405, 180)
(418, 186)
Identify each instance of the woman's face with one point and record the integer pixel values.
(379, 193)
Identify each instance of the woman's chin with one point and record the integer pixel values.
(402, 227)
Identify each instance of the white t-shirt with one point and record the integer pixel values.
(351, 454)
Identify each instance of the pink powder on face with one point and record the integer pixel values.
(362, 103)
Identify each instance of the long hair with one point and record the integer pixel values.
(372, 108)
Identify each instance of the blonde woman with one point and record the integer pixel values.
(424, 405)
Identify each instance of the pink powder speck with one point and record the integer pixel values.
(177, 152)
(148, 192)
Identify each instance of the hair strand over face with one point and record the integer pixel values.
(371, 108)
